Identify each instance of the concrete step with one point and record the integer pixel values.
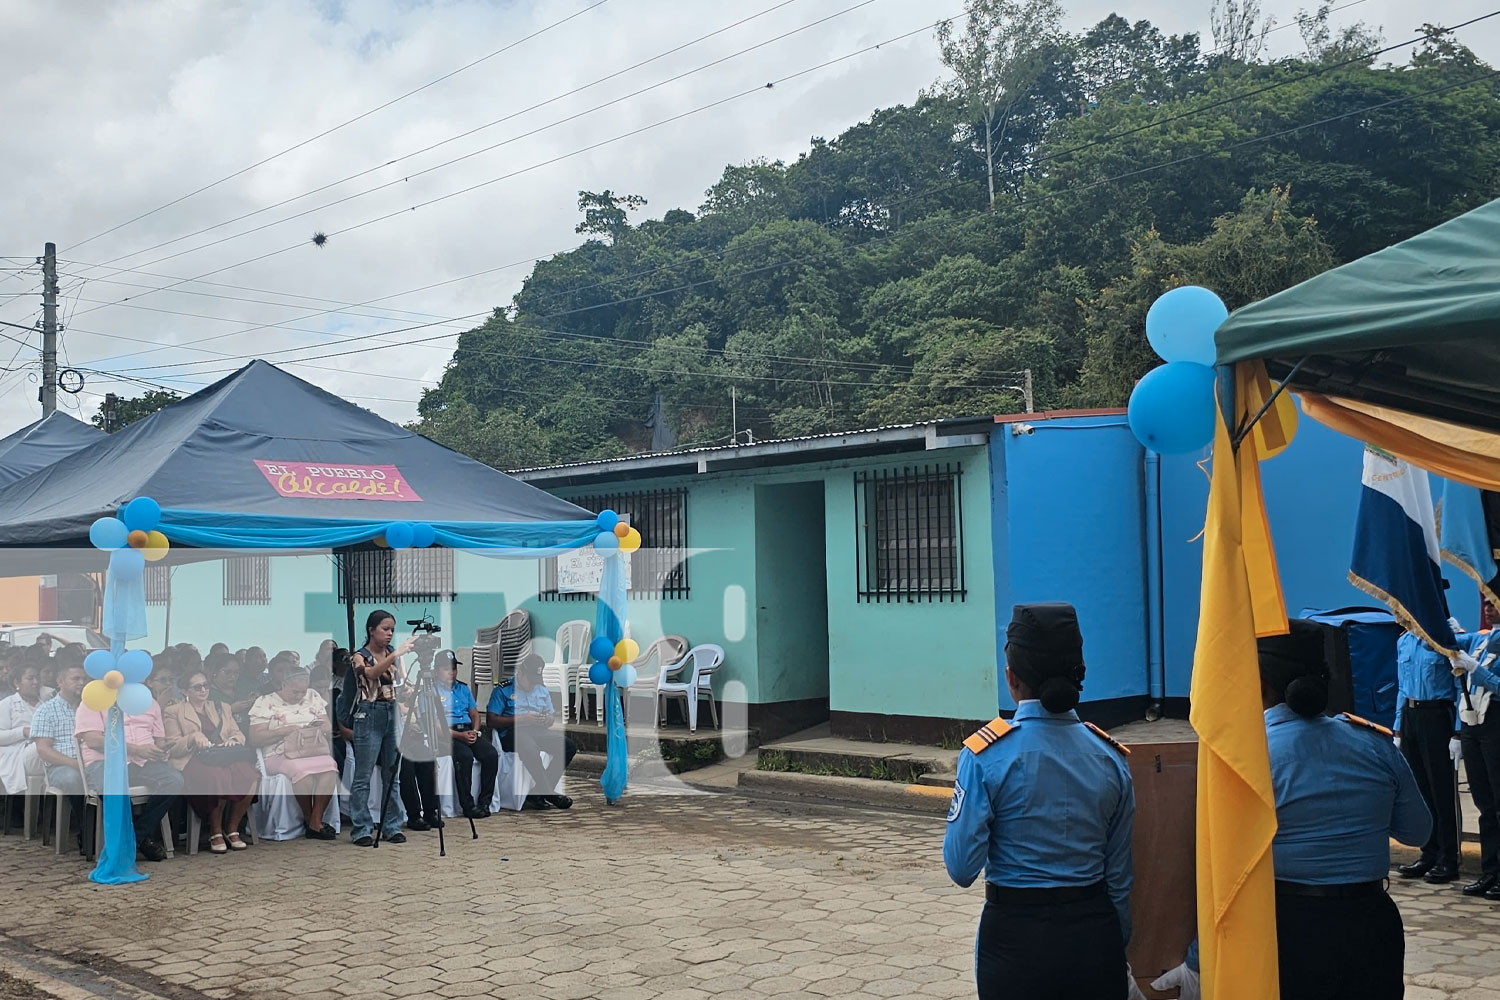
(867, 792)
(891, 762)
(938, 779)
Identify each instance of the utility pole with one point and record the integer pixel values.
(48, 392)
(734, 417)
(110, 401)
(1026, 390)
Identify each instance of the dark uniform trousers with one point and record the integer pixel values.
(419, 789)
(546, 777)
(1482, 763)
(1340, 949)
(1425, 732)
(464, 755)
(1039, 950)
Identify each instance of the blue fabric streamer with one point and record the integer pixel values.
(609, 617)
(117, 851)
(124, 616)
(522, 539)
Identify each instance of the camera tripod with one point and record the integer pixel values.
(423, 686)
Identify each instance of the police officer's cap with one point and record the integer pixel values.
(1047, 630)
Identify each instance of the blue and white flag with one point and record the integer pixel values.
(1396, 554)
(1469, 530)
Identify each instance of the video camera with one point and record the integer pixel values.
(424, 624)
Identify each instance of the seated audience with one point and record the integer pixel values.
(146, 753)
(470, 742)
(291, 726)
(52, 733)
(163, 683)
(18, 756)
(521, 711)
(218, 769)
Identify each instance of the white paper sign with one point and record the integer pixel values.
(579, 571)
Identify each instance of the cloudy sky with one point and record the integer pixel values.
(117, 111)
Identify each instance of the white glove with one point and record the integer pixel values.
(1181, 978)
(1455, 751)
(1463, 661)
(1455, 626)
(1396, 740)
(1135, 990)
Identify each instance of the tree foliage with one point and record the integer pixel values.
(873, 279)
(127, 411)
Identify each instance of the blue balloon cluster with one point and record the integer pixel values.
(1172, 408)
(599, 673)
(410, 534)
(112, 535)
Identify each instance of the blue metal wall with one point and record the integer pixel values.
(1069, 523)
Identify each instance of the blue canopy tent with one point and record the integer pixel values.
(264, 460)
(39, 444)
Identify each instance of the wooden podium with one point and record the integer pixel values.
(1162, 904)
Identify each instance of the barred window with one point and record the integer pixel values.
(909, 535)
(390, 575)
(247, 580)
(158, 583)
(659, 568)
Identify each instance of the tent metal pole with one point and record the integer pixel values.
(1239, 435)
(346, 566)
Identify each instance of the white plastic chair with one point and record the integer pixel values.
(698, 667)
(667, 649)
(275, 814)
(512, 782)
(563, 673)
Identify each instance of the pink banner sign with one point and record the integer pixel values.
(337, 482)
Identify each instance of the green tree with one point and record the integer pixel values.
(500, 438)
(115, 413)
(605, 214)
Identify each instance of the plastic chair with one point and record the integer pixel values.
(62, 815)
(513, 642)
(562, 674)
(35, 787)
(667, 649)
(138, 796)
(275, 815)
(700, 663)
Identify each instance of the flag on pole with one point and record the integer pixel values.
(1397, 559)
(1236, 812)
(1469, 532)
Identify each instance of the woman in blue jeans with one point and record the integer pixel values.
(377, 669)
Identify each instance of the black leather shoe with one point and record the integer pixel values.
(1479, 886)
(419, 825)
(1493, 892)
(364, 842)
(560, 801)
(536, 802)
(1441, 876)
(434, 820)
(151, 849)
(396, 838)
(1416, 869)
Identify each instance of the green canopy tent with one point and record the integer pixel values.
(1414, 327)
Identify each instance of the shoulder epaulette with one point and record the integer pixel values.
(1367, 724)
(1108, 738)
(988, 734)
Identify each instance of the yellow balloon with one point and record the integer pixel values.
(98, 696)
(382, 542)
(113, 680)
(631, 541)
(156, 546)
(1282, 415)
(627, 650)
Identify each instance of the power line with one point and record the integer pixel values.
(344, 124)
(497, 121)
(557, 159)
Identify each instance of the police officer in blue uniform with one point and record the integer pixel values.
(1044, 805)
(1427, 726)
(1342, 792)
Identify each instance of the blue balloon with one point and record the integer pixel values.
(1172, 408)
(98, 663)
(142, 514)
(608, 519)
(134, 699)
(625, 676)
(109, 533)
(136, 665)
(599, 673)
(127, 564)
(422, 534)
(1180, 325)
(398, 535)
(606, 540)
(601, 648)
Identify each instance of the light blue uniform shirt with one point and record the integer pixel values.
(1424, 674)
(1342, 791)
(507, 699)
(1049, 804)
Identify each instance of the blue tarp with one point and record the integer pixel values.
(42, 443)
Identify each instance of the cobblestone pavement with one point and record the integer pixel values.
(667, 897)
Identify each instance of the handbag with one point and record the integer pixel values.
(305, 743)
(224, 756)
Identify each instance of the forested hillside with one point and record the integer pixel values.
(876, 279)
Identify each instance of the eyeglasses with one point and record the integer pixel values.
(197, 687)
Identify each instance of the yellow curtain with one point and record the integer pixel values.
(1454, 451)
(1241, 599)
